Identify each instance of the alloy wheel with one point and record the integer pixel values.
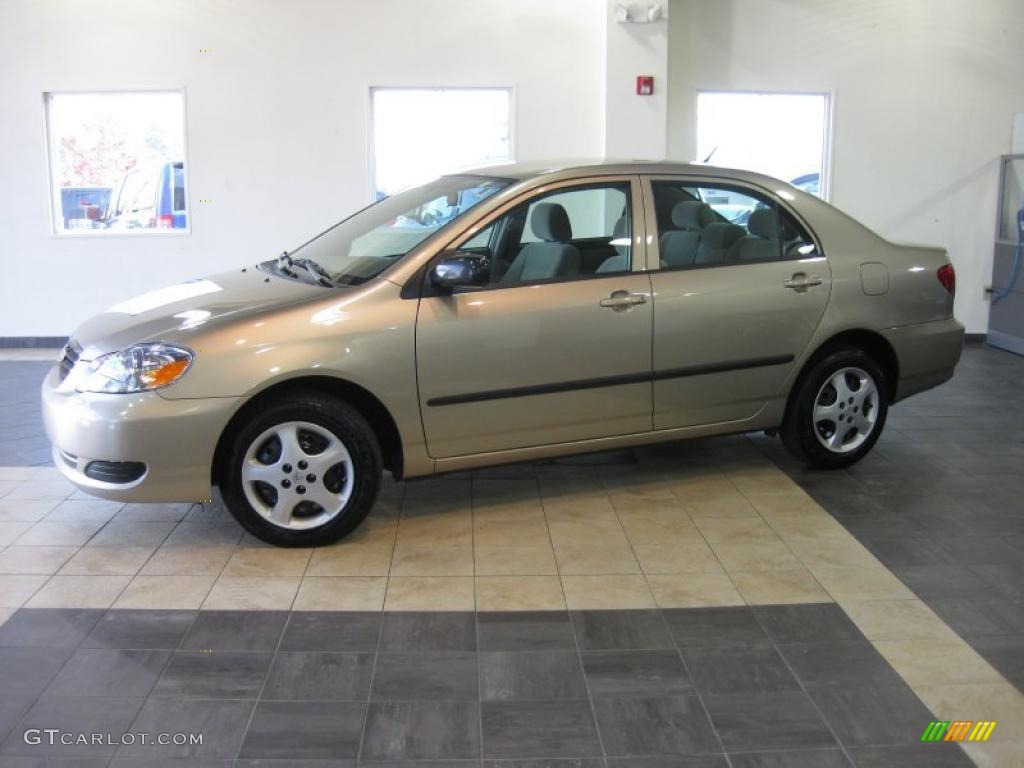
(846, 410)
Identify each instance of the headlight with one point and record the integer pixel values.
(136, 369)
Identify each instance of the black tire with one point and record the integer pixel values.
(799, 432)
(333, 415)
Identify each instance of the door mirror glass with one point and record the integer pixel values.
(455, 270)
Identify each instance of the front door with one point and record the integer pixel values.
(557, 346)
(739, 289)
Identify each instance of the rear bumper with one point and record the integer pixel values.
(927, 354)
(174, 440)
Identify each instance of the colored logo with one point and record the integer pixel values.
(958, 730)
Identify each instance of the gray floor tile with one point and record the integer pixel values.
(303, 730)
(942, 581)
(338, 631)
(422, 676)
(981, 550)
(213, 675)
(28, 671)
(981, 616)
(917, 756)
(12, 709)
(620, 630)
(863, 717)
(96, 672)
(674, 725)
(423, 730)
(415, 764)
(814, 758)
(75, 716)
(845, 665)
(907, 550)
(48, 627)
(1006, 654)
(540, 675)
(319, 676)
(525, 631)
(22, 761)
(675, 761)
(518, 729)
(636, 673)
(715, 627)
(749, 722)
(417, 631)
(812, 623)
(137, 629)
(235, 631)
(171, 762)
(555, 762)
(222, 724)
(1006, 579)
(759, 669)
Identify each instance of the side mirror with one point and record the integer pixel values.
(460, 269)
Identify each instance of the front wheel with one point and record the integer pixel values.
(838, 410)
(304, 472)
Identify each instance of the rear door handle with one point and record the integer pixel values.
(620, 300)
(800, 281)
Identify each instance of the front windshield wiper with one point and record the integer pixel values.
(285, 264)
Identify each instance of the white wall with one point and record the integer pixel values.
(277, 119)
(924, 95)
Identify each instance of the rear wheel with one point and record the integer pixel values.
(304, 472)
(838, 410)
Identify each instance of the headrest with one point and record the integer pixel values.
(621, 228)
(764, 223)
(691, 214)
(721, 235)
(550, 222)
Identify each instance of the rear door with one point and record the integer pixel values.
(735, 302)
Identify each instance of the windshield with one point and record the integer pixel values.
(365, 244)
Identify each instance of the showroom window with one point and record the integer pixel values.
(421, 133)
(117, 162)
(785, 135)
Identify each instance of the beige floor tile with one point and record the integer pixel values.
(587, 532)
(661, 526)
(341, 593)
(767, 554)
(79, 592)
(84, 510)
(347, 559)
(808, 528)
(929, 661)
(846, 584)
(430, 593)
(5, 614)
(794, 503)
(128, 533)
(9, 532)
(663, 499)
(268, 562)
(723, 506)
(374, 531)
(17, 473)
(187, 561)
(511, 533)
(41, 489)
(983, 701)
(895, 619)
(508, 511)
(39, 560)
(204, 535)
(154, 513)
(6, 486)
(515, 561)
(446, 530)
(761, 481)
(45, 533)
(705, 486)
(26, 511)
(728, 529)
(693, 556)
(594, 592)
(106, 561)
(694, 590)
(16, 589)
(581, 560)
(779, 587)
(252, 593)
(589, 507)
(432, 561)
(996, 754)
(519, 593)
(180, 592)
(833, 552)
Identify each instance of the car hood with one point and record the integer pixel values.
(184, 310)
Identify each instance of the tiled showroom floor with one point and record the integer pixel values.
(688, 600)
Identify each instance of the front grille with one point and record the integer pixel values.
(72, 351)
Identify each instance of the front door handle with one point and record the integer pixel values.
(801, 281)
(620, 300)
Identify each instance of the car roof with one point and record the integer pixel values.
(576, 168)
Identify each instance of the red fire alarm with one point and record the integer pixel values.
(644, 85)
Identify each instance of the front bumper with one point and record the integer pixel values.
(927, 354)
(174, 439)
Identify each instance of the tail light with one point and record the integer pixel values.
(164, 222)
(947, 276)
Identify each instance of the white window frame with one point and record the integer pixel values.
(371, 160)
(56, 208)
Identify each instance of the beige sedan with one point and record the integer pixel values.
(501, 315)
